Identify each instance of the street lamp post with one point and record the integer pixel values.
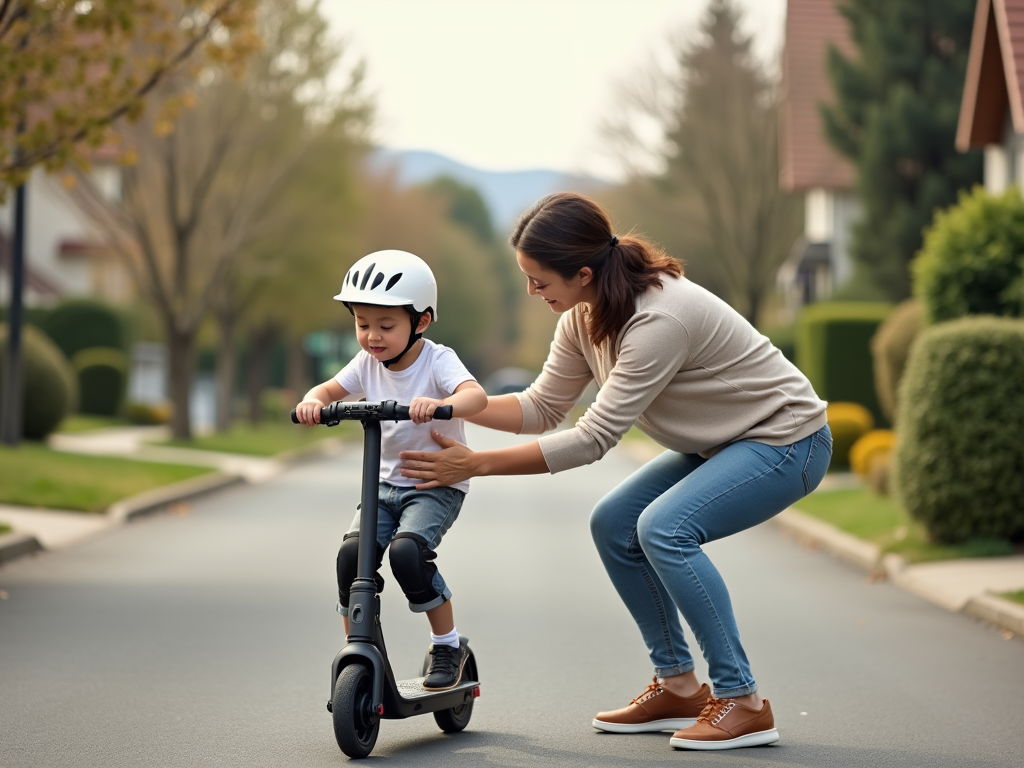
(13, 386)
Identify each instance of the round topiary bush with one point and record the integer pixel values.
(50, 389)
(889, 349)
(83, 324)
(847, 422)
(972, 262)
(102, 378)
(959, 462)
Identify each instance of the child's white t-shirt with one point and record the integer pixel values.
(436, 373)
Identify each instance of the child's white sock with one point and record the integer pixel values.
(452, 638)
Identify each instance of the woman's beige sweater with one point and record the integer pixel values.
(686, 368)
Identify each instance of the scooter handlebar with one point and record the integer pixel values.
(387, 410)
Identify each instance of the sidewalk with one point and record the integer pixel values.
(965, 586)
(36, 529)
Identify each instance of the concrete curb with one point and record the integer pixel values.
(996, 610)
(151, 501)
(813, 532)
(15, 545)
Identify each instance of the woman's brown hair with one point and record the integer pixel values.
(566, 232)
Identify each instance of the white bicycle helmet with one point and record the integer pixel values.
(391, 279)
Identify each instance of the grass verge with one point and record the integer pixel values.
(32, 475)
(4, 528)
(80, 423)
(880, 520)
(266, 439)
(1016, 597)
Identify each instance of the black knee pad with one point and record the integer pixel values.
(412, 564)
(348, 563)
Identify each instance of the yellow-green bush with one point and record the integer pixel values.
(149, 413)
(847, 422)
(870, 447)
(49, 387)
(890, 347)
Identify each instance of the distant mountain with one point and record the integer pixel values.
(507, 193)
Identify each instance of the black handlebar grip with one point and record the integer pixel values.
(295, 417)
(443, 412)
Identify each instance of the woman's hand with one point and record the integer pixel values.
(308, 412)
(452, 464)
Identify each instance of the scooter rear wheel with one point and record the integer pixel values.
(356, 725)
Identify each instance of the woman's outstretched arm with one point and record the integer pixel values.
(503, 412)
(455, 462)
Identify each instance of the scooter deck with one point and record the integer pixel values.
(413, 689)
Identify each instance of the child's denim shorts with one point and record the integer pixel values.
(429, 513)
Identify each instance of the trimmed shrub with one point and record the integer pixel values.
(848, 422)
(102, 379)
(49, 385)
(889, 349)
(149, 414)
(972, 262)
(84, 323)
(959, 463)
(869, 448)
(833, 349)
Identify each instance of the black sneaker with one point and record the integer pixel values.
(446, 665)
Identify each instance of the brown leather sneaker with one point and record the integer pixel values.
(656, 709)
(727, 724)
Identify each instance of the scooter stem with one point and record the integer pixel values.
(362, 612)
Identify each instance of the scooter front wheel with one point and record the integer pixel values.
(355, 723)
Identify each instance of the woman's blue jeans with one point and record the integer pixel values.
(649, 531)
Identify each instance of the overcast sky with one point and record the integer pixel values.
(514, 84)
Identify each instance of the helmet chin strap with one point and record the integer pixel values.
(413, 338)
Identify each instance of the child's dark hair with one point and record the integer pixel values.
(566, 231)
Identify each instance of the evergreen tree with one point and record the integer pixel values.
(895, 116)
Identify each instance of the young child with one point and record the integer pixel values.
(393, 297)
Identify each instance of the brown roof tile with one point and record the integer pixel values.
(806, 159)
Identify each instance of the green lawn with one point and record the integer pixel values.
(5, 528)
(879, 519)
(35, 476)
(80, 423)
(1017, 597)
(268, 439)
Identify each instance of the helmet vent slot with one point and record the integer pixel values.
(355, 277)
(377, 280)
(366, 276)
(391, 283)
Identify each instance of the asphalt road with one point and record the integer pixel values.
(204, 638)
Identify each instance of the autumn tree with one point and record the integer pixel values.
(69, 70)
(707, 183)
(208, 193)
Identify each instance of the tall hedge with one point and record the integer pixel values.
(49, 387)
(83, 324)
(833, 349)
(959, 461)
(102, 380)
(972, 262)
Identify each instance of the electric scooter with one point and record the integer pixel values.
(363, 687)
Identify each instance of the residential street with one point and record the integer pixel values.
(204, 637)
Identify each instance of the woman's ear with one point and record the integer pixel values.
(586, 275)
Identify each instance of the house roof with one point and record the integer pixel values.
(806, 159)
(995, 74)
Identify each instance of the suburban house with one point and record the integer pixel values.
(992, 109)
(820, 260)
(64, 255)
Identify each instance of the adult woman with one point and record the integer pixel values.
(745, 433)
